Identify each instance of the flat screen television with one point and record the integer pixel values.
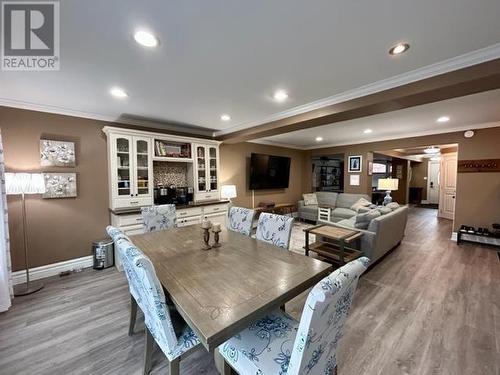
(269, 172)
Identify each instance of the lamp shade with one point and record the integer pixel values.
(228, 191)
(27, 183)
(388, 184)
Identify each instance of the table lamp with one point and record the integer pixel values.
(228, 192)
(21, 184)
(388, 184)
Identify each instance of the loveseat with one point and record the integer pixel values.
(341, 204)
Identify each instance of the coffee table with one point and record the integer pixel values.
(337, 243)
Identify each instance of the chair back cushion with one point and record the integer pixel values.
(240, 220)
(159, 217)
(275, 229)
(324, 315)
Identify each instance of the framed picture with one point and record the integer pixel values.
(57, 153)
(59, 185)
(355, 164)
(370, 168)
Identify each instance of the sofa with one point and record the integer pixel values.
(340, 202)
(383, 233)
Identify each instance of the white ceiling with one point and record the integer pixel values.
(468, 112)
(229, 56)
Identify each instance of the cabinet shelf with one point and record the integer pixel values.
(171, 159)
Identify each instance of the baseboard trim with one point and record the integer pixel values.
(454, 236)
(48, 270)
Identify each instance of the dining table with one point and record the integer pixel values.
(220, 291)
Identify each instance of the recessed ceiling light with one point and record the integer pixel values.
(225, 117)
(319, 139)
(367, 131)
(443, 119)
(431, 150)
(280, 95)
(146, 39)
(399, 48)
(118, 92)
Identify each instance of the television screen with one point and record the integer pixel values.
(269, 172)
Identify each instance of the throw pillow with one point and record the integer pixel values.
(363, 220)
(364, 210)
(310, 199)
(362, 202)
(384, 210)
(393, 205)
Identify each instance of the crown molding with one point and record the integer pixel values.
(463, 61)
(485, 125)
(19, 104)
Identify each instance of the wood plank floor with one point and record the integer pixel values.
(429, 307)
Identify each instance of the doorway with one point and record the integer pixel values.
(433, 168)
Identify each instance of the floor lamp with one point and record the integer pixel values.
(22, 184)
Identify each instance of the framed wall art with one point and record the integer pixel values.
(59, 185)
(354, 165)
(57, 153)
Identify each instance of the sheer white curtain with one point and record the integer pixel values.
(6, 291)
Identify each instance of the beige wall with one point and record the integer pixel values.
(59, 229)
(478, 194)
(235, 160)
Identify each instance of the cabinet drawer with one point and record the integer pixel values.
(127, 219)
(210, 196)
(188, 221)
(187, 212)
(214, 208)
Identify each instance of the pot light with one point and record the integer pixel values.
(367, 131)
(118, 92)
(146, 39)
(443, 119)
(225, 117)
(399, 48)
(280, 95)
(319, 139)
(431, 150)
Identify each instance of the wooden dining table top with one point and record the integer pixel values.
(222, 290)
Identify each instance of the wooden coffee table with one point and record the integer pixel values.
(336, 245)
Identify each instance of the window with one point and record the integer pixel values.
(379, 168)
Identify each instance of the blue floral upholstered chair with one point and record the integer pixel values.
(275, 229)
(278, 344)
(122, 243)
(150, 298)
(241, 220)
(159, 217)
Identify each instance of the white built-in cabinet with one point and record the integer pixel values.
(206, 162)
(130, 170)
(130, 160)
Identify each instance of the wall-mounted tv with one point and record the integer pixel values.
(269, 172)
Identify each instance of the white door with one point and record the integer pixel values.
(448, 186)
(433, 182)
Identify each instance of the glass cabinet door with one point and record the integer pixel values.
(212, 155)
(142, 166)
(123, 151)
(201, 165)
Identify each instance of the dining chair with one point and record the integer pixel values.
(127, 252)
(159, 217)
(159, 327)
(241, 220)
(275, 229)
(278, 344)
